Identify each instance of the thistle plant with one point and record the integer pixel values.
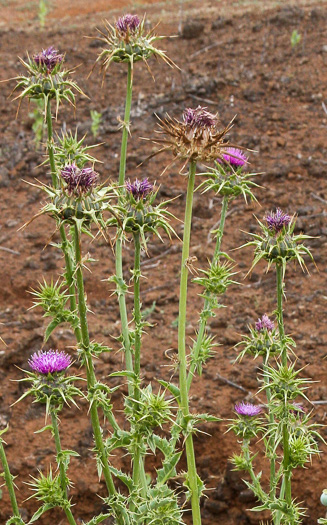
(290, 439)
(158, 417)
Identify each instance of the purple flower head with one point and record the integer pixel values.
(199, 118)
(128, 24)
(276, 221)
(49, 362)
(235, 157)
(247, 409)
(78, 181)
(139, 188)
(264, 323)
(48, 58)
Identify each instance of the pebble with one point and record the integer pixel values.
(192, 29)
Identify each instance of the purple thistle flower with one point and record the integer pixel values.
(128, 23)
(276, 221)
(235, 157)
(49, 362)
(139, 188)
(78, 181)
(199, 118)
(247, 409)
(48, 58)
(264, 323)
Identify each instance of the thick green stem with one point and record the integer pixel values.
(9, 481)
(89, 365)
(50, 145)
(286, 461)
(126, 125)
(205, 314)
(138, 460)
(119, 243)
(191, 466)
(271, 423)
(137, 314)
(279, 275)
(220, 231)
(62, 472)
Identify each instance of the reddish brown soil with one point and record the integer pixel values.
(238, 61)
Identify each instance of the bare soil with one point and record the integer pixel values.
(235, 58)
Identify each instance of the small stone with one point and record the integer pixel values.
(192, 29)
(215, 507)
(247, 496)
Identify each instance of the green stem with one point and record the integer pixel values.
(279, 276)
(191, 466)
(62, 471)
(286, 460)
(64, 242)
(138, 460)
(90, 373)
(126, 125)
(119, 242)
(50, 145)
(70, 278)
(137, 314)
(205, 311)
(271, 423)
(9, 481)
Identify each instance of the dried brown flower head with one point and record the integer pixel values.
(199, 136)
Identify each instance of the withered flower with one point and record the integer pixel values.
(200, 136)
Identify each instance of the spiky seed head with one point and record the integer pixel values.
(79, 181)
(199, 136)
(49, 362)
(48, 59)
(277, 221)
(128, 41)
(140, 189)
(247, 409)
(199, 118)
(264, 324)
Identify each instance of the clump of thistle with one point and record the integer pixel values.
(79, 199)
(278, 243)
(48, 489)
(48, 59)
(278, 221)
(78, 181)
(49, 384)
(139, 189)
(247, 425)
(128, 41)
(228, 177)
(150, 411)
(199, 136)
(127, 25)
(137, 212)
(46, 79)
(68, 149)
(50, 362)
(263, 339)
(264, 324)
(52, 298)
